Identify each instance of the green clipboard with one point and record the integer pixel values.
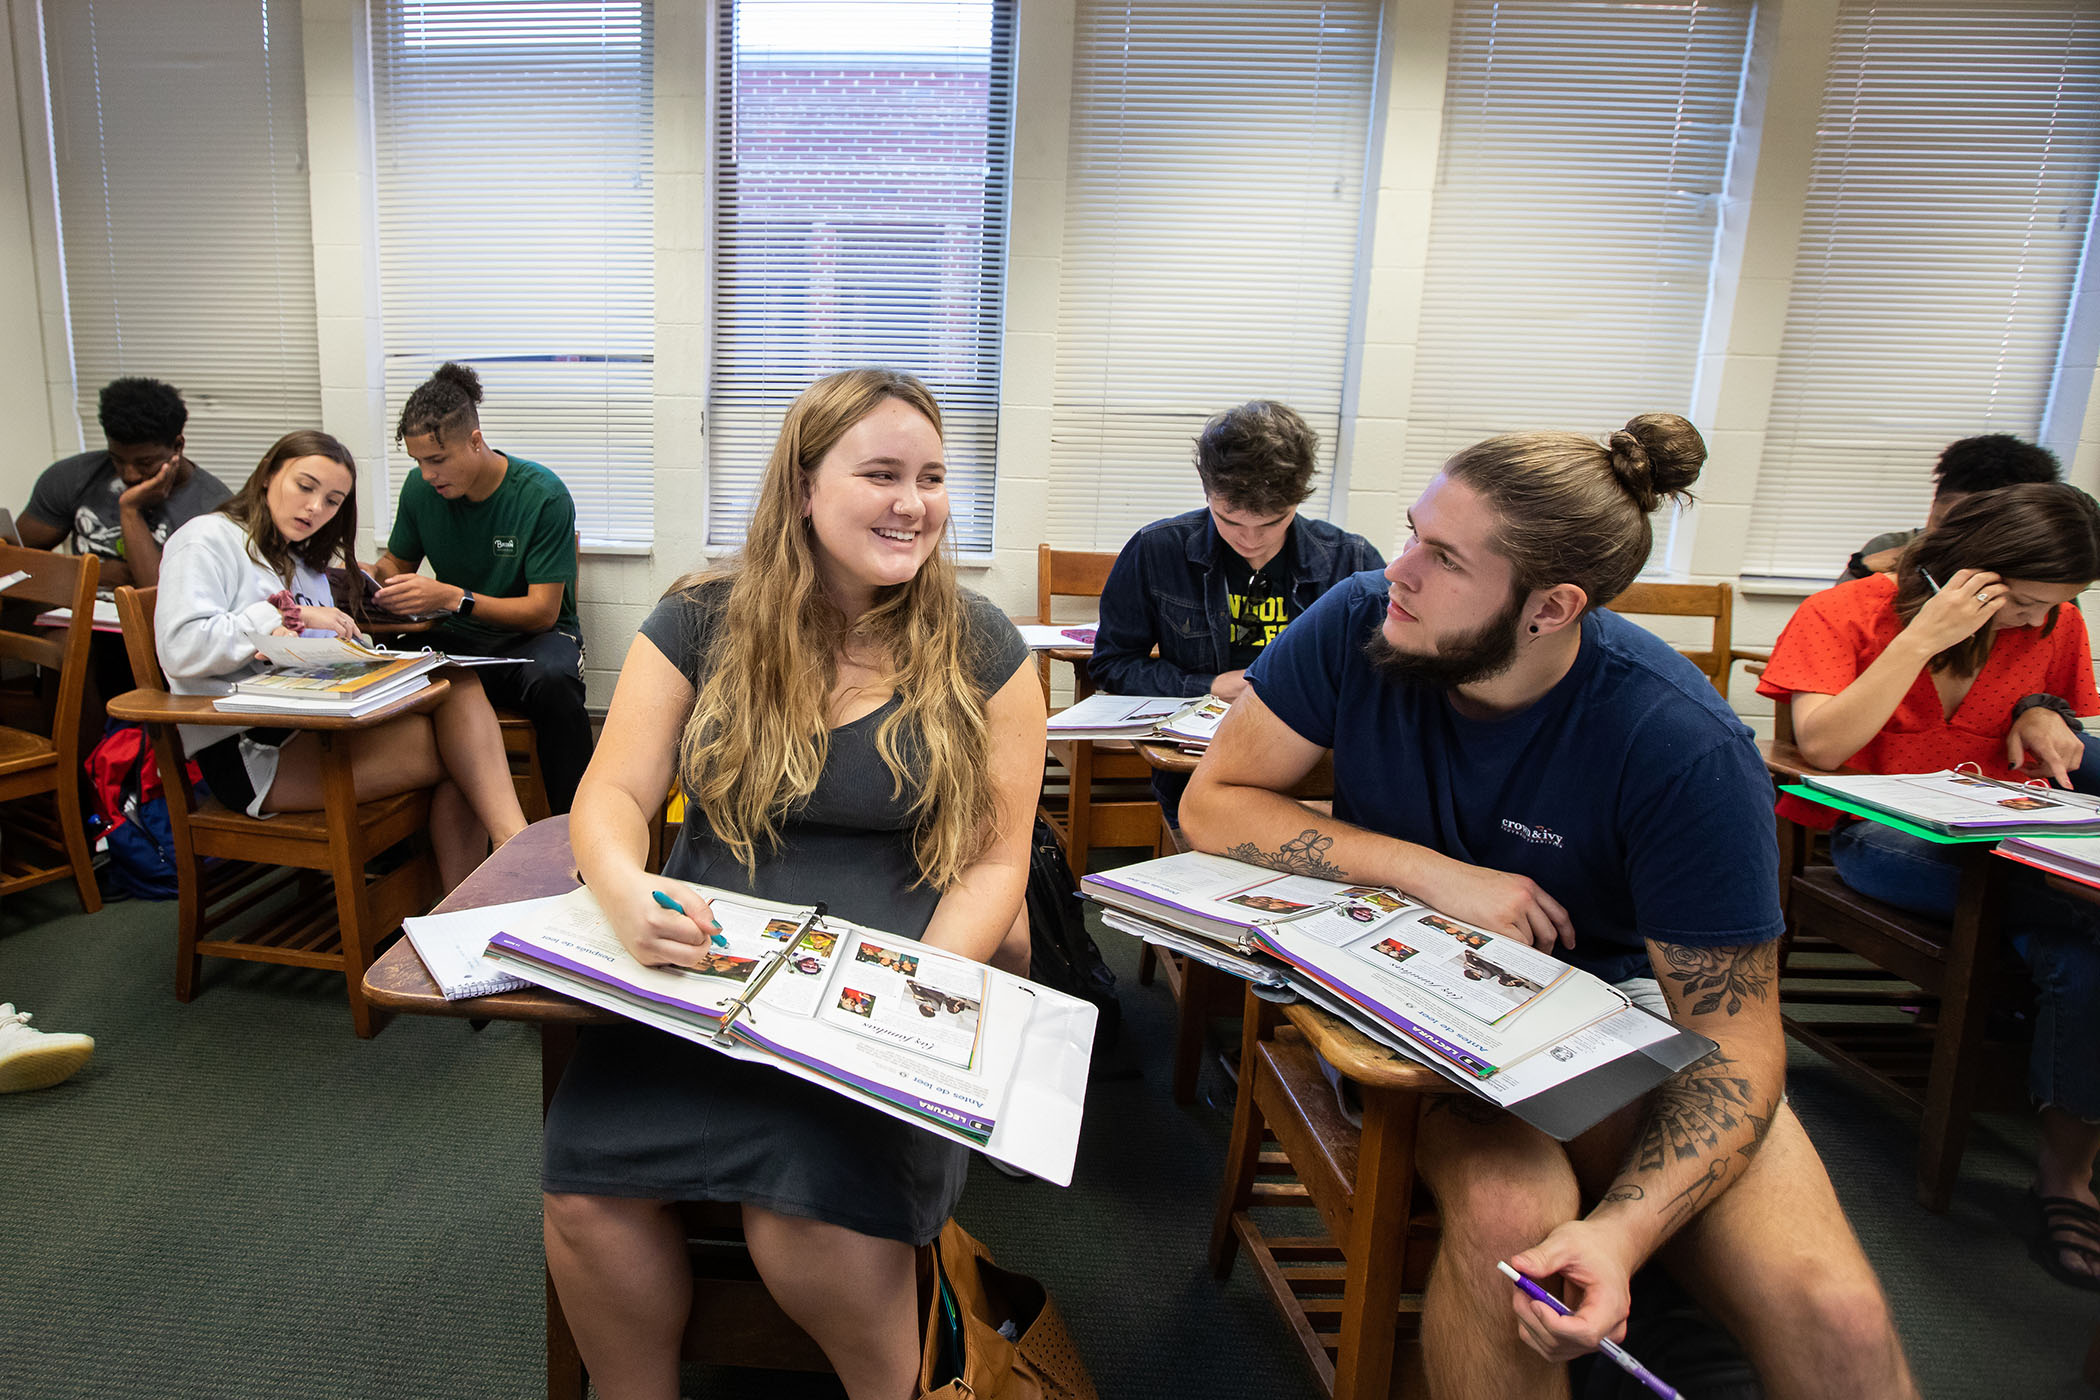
(1890, 819)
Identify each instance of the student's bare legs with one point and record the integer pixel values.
(857, 1295)
(470, 745)
(1501, 1186)
(1775, 1260)
(403, 755)
(620, 1268)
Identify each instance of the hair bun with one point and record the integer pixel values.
(462, 377)
(1656, 455)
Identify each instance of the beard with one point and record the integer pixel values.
(1479, 655)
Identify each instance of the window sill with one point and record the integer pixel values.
(1770, 586)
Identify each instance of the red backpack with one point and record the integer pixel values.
(134, 811)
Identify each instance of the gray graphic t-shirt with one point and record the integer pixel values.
(80, 493)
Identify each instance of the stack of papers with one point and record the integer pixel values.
(1557, 1046)
(2073, 857)
(331, 676)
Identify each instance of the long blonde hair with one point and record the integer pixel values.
(759, 732)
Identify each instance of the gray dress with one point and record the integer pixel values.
(642, 1113)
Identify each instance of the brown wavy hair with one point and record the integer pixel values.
(2042, 532)
(759, 732)
(250, 509)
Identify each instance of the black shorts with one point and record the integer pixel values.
(235, 766)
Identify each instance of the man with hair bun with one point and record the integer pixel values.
(500, 534)
(121, 503)
(1210, 588)
(1525, 761)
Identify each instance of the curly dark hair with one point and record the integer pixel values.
(444, 403)
(1993, 460)
(141, 411)
(1257, 457)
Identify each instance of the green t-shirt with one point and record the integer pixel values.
(525, 533)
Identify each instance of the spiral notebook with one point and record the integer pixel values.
(451, 947)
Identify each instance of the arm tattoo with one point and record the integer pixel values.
(1688, 1119)
(1307, 855)
(1718, 977)
(1626, 1191)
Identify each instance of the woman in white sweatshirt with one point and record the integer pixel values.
(256, 565)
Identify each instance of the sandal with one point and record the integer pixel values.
(2068, 1226)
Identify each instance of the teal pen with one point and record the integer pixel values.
(1610, 1348)
(675, 907)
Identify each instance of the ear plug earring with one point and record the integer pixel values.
(1534, 629)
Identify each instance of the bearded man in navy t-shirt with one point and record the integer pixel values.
(1520, 759)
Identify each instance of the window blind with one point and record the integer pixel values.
(861, 194)
(1214, 198)
(180, 141)
(517, 233)
(1947, 206)
(1571, 247)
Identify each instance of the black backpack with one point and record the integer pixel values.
(1062, 954)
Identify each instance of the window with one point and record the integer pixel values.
(180, 141)
(1938, 256)
(1214, 200)
(860, 195)
(1571, 248)
(516, 233)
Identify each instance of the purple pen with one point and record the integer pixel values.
(1610, 1348)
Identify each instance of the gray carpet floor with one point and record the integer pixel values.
(238, 1198)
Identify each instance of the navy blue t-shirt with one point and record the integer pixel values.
(1631, 793)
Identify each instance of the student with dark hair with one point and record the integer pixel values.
(1210, 588)
(1973, 464)
(121, 503)
(1529, 763)
(259, 565)
(1972, 653)
(500, 534)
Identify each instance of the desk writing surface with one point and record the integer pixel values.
(534, 863)
(159, 707)
(1360, 1058)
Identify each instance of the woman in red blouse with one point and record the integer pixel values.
(1973, 653)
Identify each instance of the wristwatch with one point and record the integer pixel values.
(466, 603)
(2061, 706)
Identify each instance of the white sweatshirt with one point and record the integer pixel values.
(213, 592)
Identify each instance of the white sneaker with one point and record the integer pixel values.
(33, 1059)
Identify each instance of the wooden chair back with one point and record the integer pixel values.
(1067, 573)
(46, 761)
(1709, 600)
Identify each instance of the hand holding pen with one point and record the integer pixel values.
(1966, 602)
(673, 931)
(1618, 1354)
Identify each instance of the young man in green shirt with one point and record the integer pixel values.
(500, 534)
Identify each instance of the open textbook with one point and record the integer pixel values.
(2073, 857)
(1102, 716)
(1960, 805)
(1551, 1043)
(332, 676)
(961, 1049)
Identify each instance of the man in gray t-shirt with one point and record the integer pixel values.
(121, 503)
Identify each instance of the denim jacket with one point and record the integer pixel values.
(1166, 590)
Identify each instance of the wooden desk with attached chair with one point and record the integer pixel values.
(1108, 798)
(263, 885)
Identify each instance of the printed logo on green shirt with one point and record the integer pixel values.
(506, 546)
